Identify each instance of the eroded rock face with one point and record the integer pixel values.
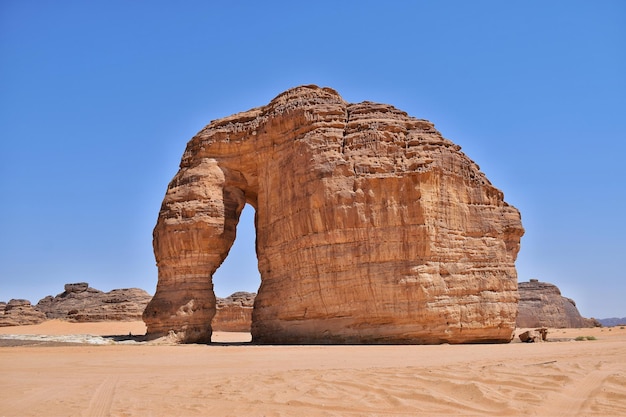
(541, 304)
(18, 312)
(371, 228)
(81, 303)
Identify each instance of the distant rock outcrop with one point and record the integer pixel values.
(234, 313)
(19, 312)
(542, 305)
(613, 321)
(81, 303)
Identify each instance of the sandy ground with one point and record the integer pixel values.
(128, 378)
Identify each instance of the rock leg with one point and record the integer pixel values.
(196, 229)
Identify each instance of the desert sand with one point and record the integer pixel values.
(129, 378)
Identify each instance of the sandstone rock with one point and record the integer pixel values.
(534, 336)
(18, 312)
(77, 287)
(234, 313)
(371, 228)
(541, 304)
(81, 303)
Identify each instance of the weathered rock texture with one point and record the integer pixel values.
(19, 312)
(371, 228)
(542, 305)
(81, 303)
(234, 313)
(534, 336)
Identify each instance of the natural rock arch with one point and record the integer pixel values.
(371, 228)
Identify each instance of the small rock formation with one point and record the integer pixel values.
(81, 303)
(542, 305)
(19, 312)
(534, 336)
(234, 313)
(370, 228)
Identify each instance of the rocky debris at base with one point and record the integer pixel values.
(542, 305)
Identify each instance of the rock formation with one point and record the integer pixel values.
(81, 303)
(370, 228)
(19, 312)
(542, 305)
(534, 336)
(234, 313)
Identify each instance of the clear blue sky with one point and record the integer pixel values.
(98, 100)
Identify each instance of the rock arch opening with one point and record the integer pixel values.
(240, 270)
(236, 281)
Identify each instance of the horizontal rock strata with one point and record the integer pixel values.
(371, 228)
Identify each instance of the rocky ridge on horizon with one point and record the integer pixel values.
(613, 321)
(19, 312)
(81, 303)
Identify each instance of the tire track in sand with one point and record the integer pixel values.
(102, 398)
(573, 398)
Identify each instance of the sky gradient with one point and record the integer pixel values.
(98, 100)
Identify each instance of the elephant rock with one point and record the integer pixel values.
(370, 228)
